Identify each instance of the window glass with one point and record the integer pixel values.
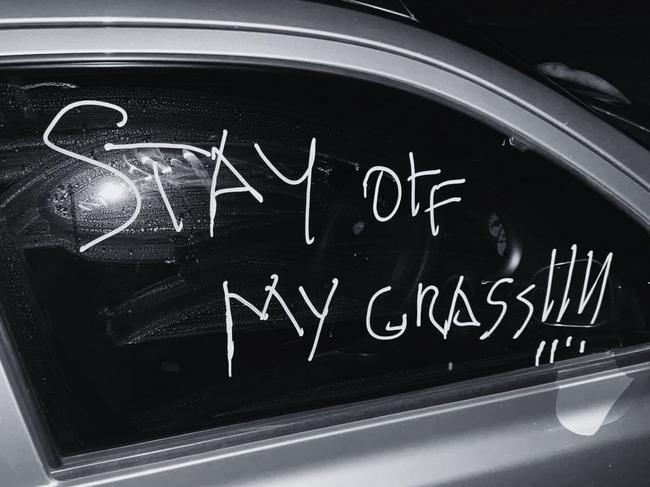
(185, 248)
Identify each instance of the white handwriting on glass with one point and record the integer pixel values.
(217, 155)
(460, 303)
(427, 295)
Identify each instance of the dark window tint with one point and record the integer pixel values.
(187, 248)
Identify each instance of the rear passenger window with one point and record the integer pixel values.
(189, 248)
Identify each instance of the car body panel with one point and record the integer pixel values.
(504, 438)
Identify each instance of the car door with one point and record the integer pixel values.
(245, 244)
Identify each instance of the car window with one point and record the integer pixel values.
(186, 248)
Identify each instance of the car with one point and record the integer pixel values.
(304, 242)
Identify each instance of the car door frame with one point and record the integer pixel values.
(503, 429)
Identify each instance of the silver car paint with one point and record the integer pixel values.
(509, 438)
